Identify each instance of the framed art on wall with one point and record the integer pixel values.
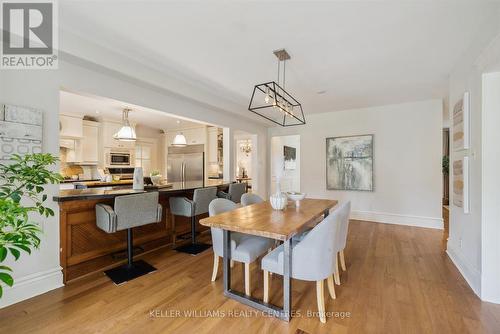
(349, 163)
(461, 183)
(289, 157)
(461, 123)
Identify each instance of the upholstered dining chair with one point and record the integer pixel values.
(182, 206)
(249, 199)
(344, 213)
(313, 259)
(244, 248)
(129, 211)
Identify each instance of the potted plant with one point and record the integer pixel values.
(21, 196)
(155, 177)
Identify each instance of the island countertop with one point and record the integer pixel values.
(111, 192)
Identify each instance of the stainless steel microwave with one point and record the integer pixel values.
(119, 158)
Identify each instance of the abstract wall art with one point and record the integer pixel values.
(349, 163)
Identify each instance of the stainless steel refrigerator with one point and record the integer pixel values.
(185, 163)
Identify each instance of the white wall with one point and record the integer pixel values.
(40, 272)
(490, 262)
(465, 247)
(289, 179)
(407, 160)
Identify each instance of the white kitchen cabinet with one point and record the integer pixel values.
(193, 136)
(70, 126)
(212, 145)
(108, 130)
(90, 143)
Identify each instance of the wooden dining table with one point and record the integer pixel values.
(262, 220)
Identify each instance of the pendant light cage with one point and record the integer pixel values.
(271, 101)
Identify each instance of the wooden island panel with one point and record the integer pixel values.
(86, 249)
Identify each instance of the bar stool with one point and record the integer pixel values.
(182, 206)
(129, 211)
(236, 190)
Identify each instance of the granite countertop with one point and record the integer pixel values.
(111, 192)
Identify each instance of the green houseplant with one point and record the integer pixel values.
(22, 195)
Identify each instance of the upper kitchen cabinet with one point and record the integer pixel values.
(70, 126)
(90, 143)
(108, 130)
(193, 136)
(212, 145)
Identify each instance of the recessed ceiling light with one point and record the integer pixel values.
(178, 122)
(321, 92)
(97, 111)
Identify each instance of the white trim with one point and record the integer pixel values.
(32, 285)
(471, 275)
(398, 219)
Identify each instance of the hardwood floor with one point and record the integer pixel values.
(398, 280)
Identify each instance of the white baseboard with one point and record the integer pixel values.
(32, 285)
(398, 219)
(471, 275)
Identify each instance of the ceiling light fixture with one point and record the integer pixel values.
(179, 140)
(126, 132)
(246, 147)
(273, 102)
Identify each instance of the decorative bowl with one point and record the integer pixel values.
(278, 201)
(156, 179)
(295, 196)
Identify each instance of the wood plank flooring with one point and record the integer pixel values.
(398, 280)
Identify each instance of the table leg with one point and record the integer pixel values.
(226, 261)
(287, 282)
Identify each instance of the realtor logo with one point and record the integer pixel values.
(29, 35)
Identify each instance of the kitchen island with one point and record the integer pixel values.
(84, 248)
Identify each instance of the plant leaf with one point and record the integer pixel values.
(7, 279)
(15, 253)
(3, 254)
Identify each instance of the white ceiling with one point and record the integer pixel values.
(362, 53)
(109, 109)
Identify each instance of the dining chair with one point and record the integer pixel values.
(344, 213)
(248, 199)
(244, 248)
(313, 259)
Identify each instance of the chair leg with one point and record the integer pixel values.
(321, 300)
(331, 287)
(216, 267)
(336, 274)
(342, 260)
(266, 286)
(247, 279)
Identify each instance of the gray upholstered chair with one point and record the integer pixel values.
(244, 248)
(129, 211)
(249, 199)
(313, 259)
(234, 193)
(344, 213)
(182, 206)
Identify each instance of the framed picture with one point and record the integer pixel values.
(289, 157)
(461, 183)
(349, 163)
(461, 123)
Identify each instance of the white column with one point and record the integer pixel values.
(229, 154)
(490, 228)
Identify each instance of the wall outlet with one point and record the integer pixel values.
(460, 242)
